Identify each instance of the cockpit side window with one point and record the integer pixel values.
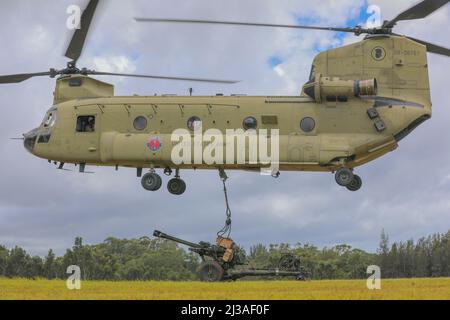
(86, 124)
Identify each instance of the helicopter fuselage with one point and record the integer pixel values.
(341, 119)
(342, 131)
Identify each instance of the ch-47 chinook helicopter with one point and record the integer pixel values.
(359, 102)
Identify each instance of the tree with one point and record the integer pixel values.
(4, 253)
(383, 254)
(159, 259)
(16, 263)
(50, 269)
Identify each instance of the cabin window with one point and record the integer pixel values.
(140, 123)
(194, 122)
(86, 124)
(250, 123)
(307, 124)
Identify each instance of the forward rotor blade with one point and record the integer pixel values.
(16, 78)
(247, 24)
(433, 48)
(161, 77)
(419, 11)
(79, 37)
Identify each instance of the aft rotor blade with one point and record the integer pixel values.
(79, 37)
(16, 78)
(99, 73)
(433, 48)
(247, 24)
(419, 11)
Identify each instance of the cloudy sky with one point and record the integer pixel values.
(406, 192)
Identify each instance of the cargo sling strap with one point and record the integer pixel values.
(226, 230)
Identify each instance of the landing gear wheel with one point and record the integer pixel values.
(355, 184)
(151, 181)
(176, 186)
(344, 176)
(210, 271)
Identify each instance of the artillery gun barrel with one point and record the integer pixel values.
(264, 273)
(162, 235)
(236, 274)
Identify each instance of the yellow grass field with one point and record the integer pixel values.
(268, 290)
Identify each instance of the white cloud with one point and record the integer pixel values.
(39, 39)
(114, 64)
(279, 71)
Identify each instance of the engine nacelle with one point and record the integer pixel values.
(76, 86)
(335, 89)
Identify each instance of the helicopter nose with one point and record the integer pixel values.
(30, 140)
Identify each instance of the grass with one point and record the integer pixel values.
(438, 288)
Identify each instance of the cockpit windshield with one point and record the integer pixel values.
(50, 118)
(312, 73)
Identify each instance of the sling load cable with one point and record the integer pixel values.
(226, 230)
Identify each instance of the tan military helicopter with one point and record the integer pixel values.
(359, 102)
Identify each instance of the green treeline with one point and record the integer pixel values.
(157, 259)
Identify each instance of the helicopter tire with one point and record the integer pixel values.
(343, 176)
(176, 186)
(151, 181)
(210, 271)
(355, 184)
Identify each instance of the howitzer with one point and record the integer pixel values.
(225, 251)
(225, 255)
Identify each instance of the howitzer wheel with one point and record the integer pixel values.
(210, 271)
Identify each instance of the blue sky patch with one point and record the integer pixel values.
(352, 21)
(275, 61)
